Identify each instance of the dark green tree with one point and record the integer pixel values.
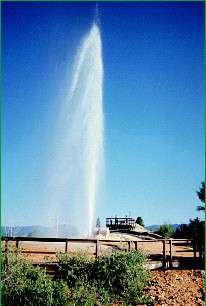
(139, 221)
(201, 196)
(165, 230)
(194, 230)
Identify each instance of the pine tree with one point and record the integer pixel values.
(201, 196)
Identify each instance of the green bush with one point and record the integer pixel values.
(80, 281)
(83, 295)
(72, 267)
(24, 284)
(165, 230)
(122, 275)
(118, 277)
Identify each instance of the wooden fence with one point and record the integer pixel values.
(166, 256)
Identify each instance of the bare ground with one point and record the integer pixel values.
(177, 287)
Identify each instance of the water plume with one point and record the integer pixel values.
(77, 161)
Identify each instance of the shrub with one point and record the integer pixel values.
(72, 267)
(118, 277)
(83, 295)
(24, 284)
(80, 281)
(122, 275)
(165, 230)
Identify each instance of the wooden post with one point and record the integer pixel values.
(66, 246)
(200, 250)
(129, 246)
(135, 243)
(170, 241)
(195, 248)
(6, 251)
(17, 245)
(6, 246)
(164, 253)
(97, 248)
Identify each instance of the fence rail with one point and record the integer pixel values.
(131, 245)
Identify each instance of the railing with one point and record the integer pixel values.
(130, 245)
(120, 223)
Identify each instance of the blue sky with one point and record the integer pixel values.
(153, 55)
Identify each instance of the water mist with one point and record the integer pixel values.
(77, 161)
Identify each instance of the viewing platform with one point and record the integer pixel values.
(120, 223)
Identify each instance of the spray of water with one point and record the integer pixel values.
(77, 160)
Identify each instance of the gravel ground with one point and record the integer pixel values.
(177, 287)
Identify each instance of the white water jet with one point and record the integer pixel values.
(77, 161)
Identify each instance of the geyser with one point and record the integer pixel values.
(77, 161)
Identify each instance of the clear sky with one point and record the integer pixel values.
(153, 104)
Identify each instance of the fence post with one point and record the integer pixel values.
(66, 246)
(164, 253)
(200, 250)
(17, 245)
(6, 251)
(135, 243)
(6, 245)
(195, 248)
(129, 246)
(97, 248)
(170, 241)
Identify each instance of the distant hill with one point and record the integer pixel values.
(64, 230)
(155, 227)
